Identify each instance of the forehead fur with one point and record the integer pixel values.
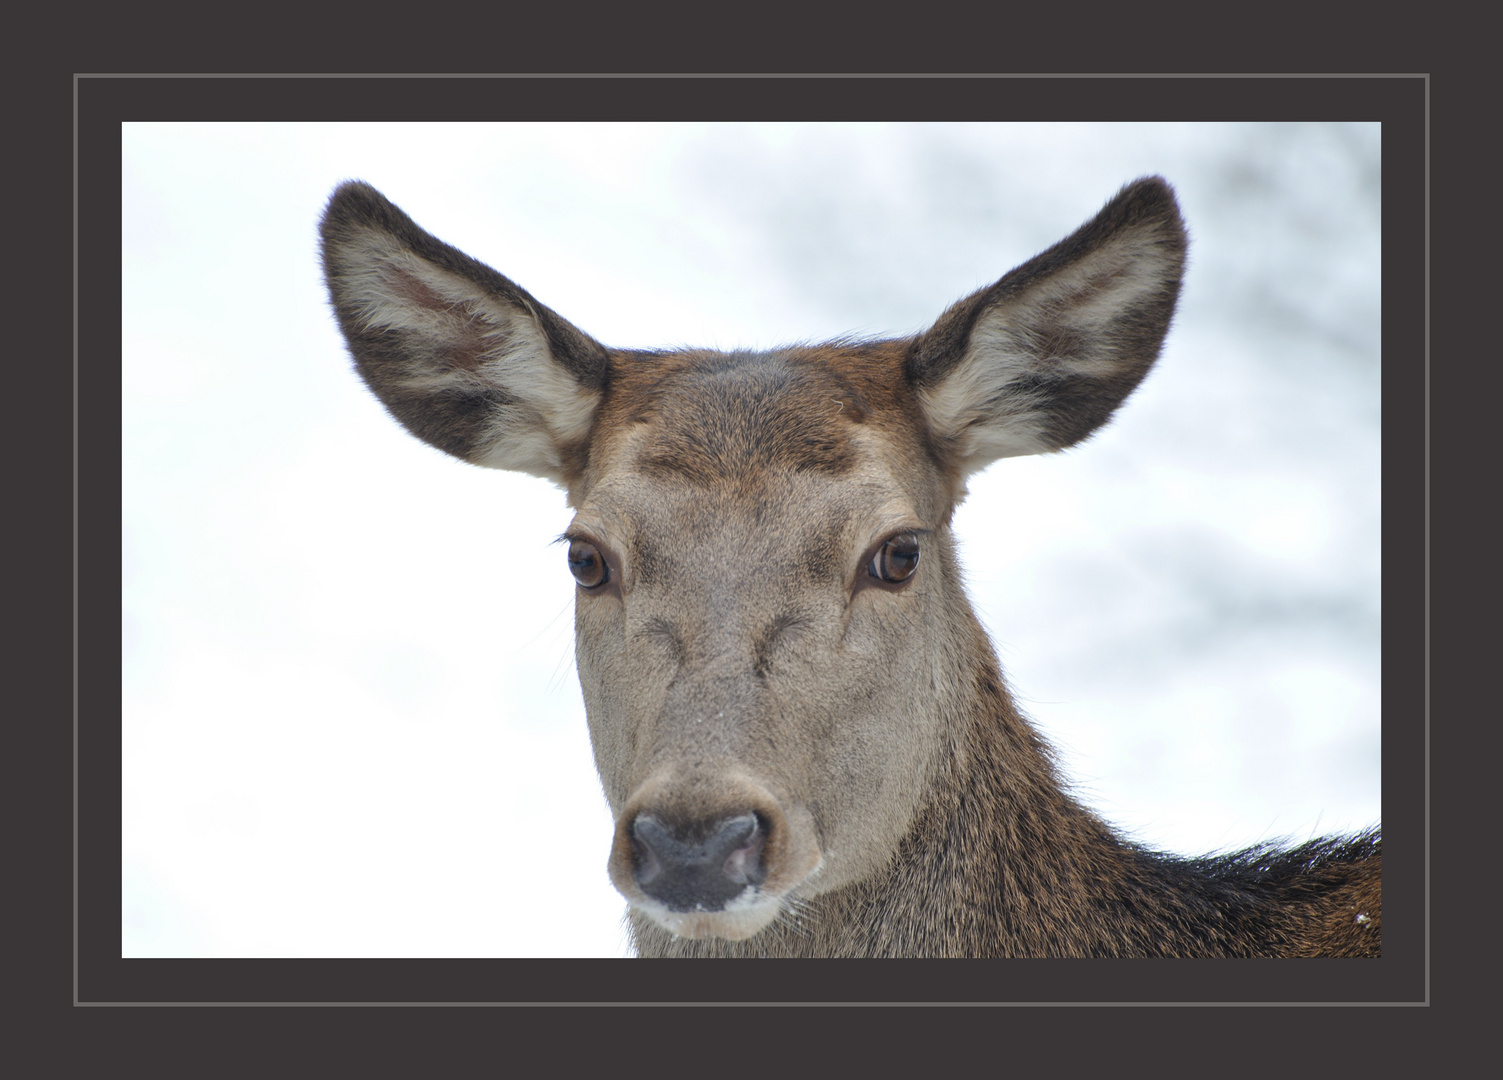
(717, 419)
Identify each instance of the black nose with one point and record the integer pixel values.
(699, 867)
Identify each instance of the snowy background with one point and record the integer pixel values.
(351, 720)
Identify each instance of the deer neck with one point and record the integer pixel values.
(1001, 862)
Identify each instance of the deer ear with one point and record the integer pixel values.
(464, 358)
(1041, 359)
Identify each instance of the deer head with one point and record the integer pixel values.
(778, 660)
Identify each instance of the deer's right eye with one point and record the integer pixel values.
(587, 564)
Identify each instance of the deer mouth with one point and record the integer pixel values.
(739, 919)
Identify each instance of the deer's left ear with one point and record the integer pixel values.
(1041, 359)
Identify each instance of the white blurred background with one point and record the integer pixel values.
(351, 720)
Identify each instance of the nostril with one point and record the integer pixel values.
(648, 837)
(648, 862)
(743, 863)
(699, 866)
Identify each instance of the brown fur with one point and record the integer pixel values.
(758, 695)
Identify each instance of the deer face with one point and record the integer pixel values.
(773, 644)
(762, 565)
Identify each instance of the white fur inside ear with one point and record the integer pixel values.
(1059, 327)
(978, 407)
(474, 340)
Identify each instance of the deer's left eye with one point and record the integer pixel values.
(896, 560)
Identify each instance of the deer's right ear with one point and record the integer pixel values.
(464, 358)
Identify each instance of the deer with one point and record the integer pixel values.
(800, 726)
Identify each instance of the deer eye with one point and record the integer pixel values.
(896, 560)
(587, 565)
